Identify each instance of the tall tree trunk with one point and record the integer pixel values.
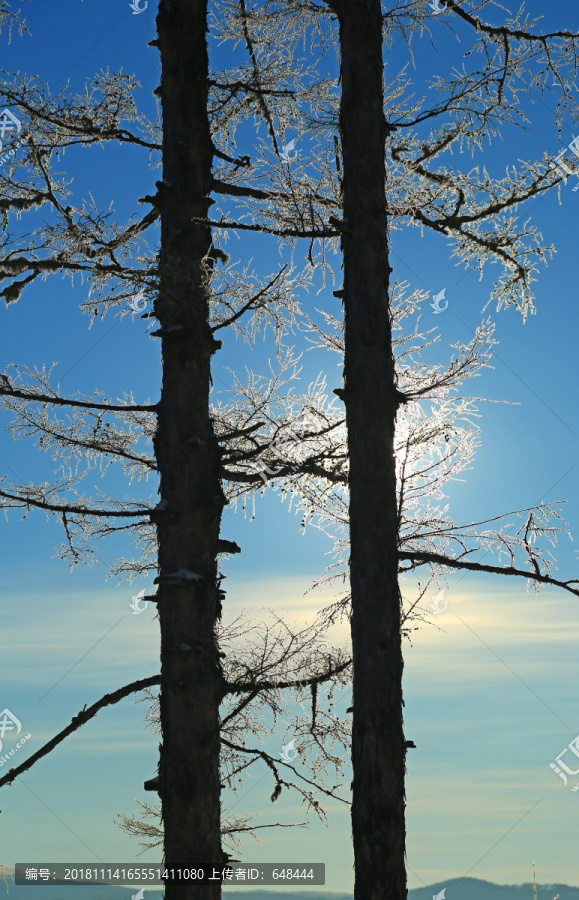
(378, 746)
(188, 460)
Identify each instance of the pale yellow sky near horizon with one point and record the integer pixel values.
(485, 693)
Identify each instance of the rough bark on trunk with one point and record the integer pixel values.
(188, 460)
(378, 746)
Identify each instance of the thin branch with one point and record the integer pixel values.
(230, 688)
(281, 233)
(79, 720)
(268, 760)
(422, 558)
(250, 303)
(502, 30)
(60, 401)
(67, 508)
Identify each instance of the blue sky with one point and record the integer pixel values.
(490, 693)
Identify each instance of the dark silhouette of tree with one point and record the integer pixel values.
(180, 535)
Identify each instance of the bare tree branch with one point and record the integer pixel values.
(440, 559)
(77, 721)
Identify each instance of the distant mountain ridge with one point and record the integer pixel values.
(454, 888)
(476, 889)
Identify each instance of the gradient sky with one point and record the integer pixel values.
(490, 689)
